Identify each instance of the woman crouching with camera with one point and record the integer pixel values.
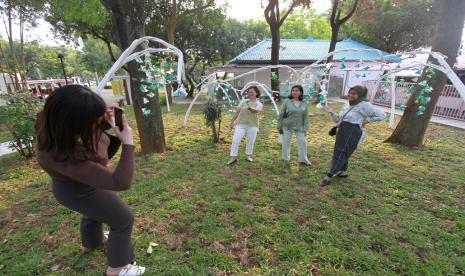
(74, 150)
(350, 121)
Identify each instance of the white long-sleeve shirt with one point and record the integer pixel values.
(363, 111)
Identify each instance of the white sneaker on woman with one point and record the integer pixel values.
(232, 160)
(132, 270)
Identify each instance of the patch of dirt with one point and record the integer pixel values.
(185, 193)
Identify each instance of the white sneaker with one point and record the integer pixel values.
(248, 158)
(132, 270)
(232, 160)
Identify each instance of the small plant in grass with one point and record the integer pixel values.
(18, 117)
(212, 114)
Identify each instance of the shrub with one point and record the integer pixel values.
(18, 117)
(212, 115)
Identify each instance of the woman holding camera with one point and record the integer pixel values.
(245, 121)
(293, 118)
(350, 121)
(74, 150)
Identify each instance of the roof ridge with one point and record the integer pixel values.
(248, 50)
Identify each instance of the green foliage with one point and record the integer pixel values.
(18, 117)
(303, 23)
(73, 18)
(94, 56)
(212, 114)
(42, 61)
(393, 26)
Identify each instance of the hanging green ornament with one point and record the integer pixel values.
(170, 77)
(143, 88)
(274, 76)
(146, 111)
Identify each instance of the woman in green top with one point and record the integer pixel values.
(293, 118)
(246, 121)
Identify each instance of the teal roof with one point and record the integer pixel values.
(305, 51)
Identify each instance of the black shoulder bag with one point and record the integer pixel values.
(333, 130)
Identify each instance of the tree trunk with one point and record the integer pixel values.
(128, 23)
(412, 127)
(7, 69)
(170, 29)
(190, 86)
(12, 48)
(23, 71)
(336, 22)
(332, 44)
(275, 44)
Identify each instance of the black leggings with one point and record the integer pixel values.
(97, 207)
(347, 138)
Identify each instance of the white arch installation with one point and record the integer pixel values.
(442, 67)
(129, 55)
(308, 72)
(211, 80)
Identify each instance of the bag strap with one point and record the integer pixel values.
(340, 121)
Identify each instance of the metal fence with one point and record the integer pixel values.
(450, 104)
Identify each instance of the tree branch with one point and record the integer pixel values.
(332, 19)
(354, 7)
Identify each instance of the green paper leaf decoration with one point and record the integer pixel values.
(146, 111)
(143, 88)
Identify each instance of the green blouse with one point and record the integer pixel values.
(297, 116)
(247, 117)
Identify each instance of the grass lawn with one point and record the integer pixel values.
(4, 135)
(402, 211)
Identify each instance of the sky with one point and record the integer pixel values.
(251, 9)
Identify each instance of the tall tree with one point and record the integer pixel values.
(412, 127)
(171, 12)
(336, 21)
(22, 13)
(275, 20)
(128, 19)
(390, 26)
(8, 8)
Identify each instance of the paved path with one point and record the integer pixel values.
(434, 119)
(4, 149)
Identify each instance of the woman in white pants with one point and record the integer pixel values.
(246, 121)
(293, 118)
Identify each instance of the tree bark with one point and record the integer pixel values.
(332, 44)
(12, 48)
(412, 127)
(23, 71)
(129, 24)
(336, 22)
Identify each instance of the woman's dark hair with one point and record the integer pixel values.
(68, 122)
(301, 89)
(257, 91)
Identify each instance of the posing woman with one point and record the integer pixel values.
(293, 118)
(349, 130)
(74, 150)
(246, 121)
